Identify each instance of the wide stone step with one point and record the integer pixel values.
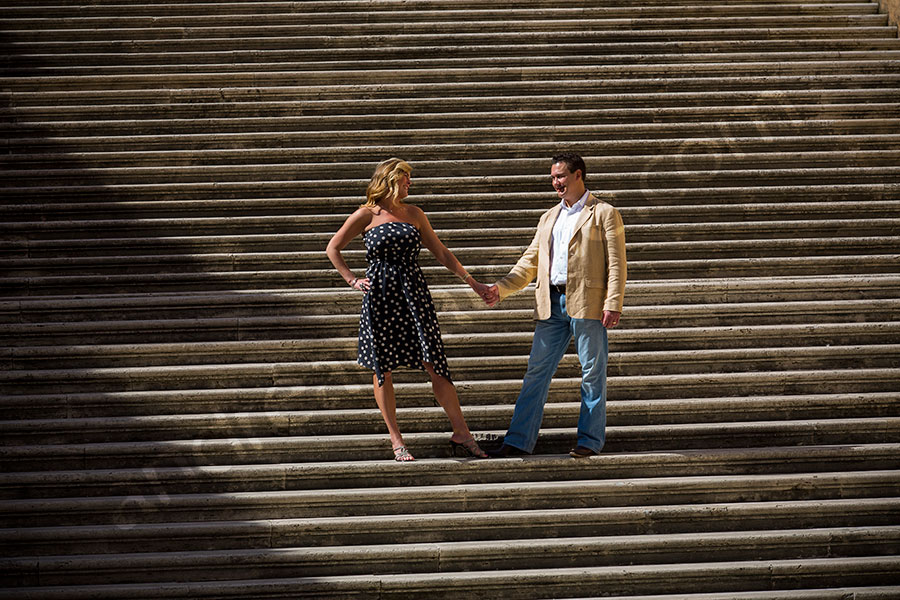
(641, 255)
(353, 32)
(272, 225)
(206, 116)
(616, 139)
(219, 243)
(84, 403)
(384, 473)
(461, 498)
(29, 18)
(448, 527)
(503, 78)
(221, 374)
(368, 421)
(514, 339)
(437, 557)
(249, 450)
(110, 7)
(876, 573)
(809, 208)
(743, 293)
(508, 56)
(174, 133)
(289, 279)
(91, 188)
(803, 322)
(509, 96)
(620, 171)
(432, 145)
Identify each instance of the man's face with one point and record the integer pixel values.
(564, 181)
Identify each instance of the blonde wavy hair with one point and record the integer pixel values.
(385, 182)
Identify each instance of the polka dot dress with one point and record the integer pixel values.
(398, 326)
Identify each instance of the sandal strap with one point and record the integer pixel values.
(401, 452)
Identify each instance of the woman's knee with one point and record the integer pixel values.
(435, 376)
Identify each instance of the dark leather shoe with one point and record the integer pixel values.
(581, 452)
(506, 450)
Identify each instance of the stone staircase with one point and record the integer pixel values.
(182, 415)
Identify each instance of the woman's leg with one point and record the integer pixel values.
(445, 393)
(387, 403)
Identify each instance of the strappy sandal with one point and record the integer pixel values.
(401, 454)
(469, 448)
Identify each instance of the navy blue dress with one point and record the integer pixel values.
(398, 326)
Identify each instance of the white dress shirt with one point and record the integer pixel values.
(563, 230)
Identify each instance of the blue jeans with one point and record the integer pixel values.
(551, 339)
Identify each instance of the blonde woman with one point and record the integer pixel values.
(398, 324)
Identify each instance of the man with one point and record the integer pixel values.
(578, 258)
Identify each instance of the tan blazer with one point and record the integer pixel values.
(597, 266)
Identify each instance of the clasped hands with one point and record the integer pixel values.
(489, 293)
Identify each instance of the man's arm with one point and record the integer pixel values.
(616, 265)
(522, 273)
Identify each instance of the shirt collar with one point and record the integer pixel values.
(577, 206)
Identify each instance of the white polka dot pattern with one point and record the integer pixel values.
(398, 325)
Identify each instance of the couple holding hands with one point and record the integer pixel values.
(578, 258)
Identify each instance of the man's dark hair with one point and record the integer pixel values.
(573, 162)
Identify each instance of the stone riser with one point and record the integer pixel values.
(716, 325)
(636, 139)
(232, 247)
(271, 372)
(522, 79)
(33, 19)
(660, 170)
(460, 499)
(110, 7)
(126, 229)
(448, 527)
(460, 208)
(200, 452)
(356, 34)
(247, 117)
(288, 280)
(509, 97)
(686, 579)
(368, 421)
(618, 156)
(514, 340)
(559, 552)
(280, 102)
(93, 185)
(384, 473)
(344, 397)
(109, 63)
(730, 298)
(642, 256)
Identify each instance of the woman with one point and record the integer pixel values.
(398, 325)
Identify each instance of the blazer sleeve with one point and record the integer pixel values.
(524, 271)
(616, 263)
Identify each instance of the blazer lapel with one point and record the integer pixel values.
(583, 216)
(547, 233)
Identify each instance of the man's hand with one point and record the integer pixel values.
(611, 318)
